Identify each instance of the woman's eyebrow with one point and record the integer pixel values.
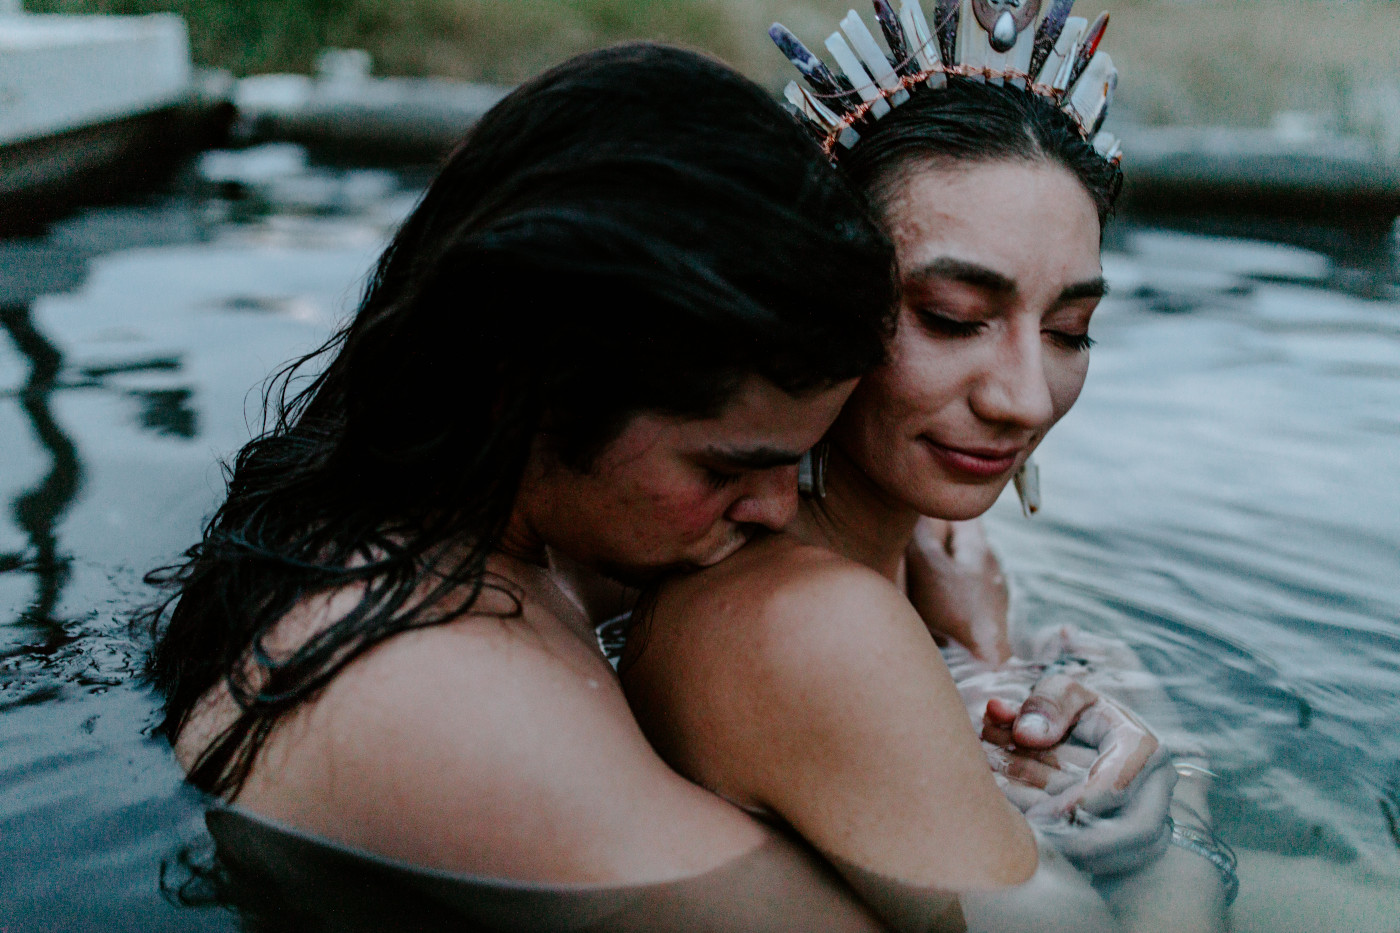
(1093, 288)
(968, 273)
(752, 458)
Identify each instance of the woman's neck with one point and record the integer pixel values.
(857, 519)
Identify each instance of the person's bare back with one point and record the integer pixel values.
(496, 745)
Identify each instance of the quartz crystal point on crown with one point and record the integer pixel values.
(835, 90)
(875, 61)
(855, 73)
(814, 111)
(1095, 88)
(1087, 47)
(1048, 34)
(927, 52)
(905, 62)
(1061, 61)
(1110, 86)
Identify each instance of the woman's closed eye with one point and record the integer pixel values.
(945, 326)
(1077, 343)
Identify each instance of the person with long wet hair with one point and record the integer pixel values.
(634, 296)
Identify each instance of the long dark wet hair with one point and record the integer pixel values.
(971, 121)
(638, 229)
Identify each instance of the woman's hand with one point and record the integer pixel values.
(956, 584)
(1087, 773)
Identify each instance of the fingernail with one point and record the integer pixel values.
(1034, 726)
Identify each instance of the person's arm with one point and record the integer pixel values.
(954, 581)
(819, 695)
(1177, 888)
(1183, 892)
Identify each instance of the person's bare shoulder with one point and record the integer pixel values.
(496, 746)
(793, 679)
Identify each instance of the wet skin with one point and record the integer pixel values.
(500, 744)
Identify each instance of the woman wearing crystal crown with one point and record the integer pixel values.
(795, 679)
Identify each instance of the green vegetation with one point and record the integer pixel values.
(1241, 61)
(488, 40)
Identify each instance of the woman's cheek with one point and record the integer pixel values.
(1066, 382)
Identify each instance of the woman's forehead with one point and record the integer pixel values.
(1015, 218)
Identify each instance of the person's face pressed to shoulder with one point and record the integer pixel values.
(676, 493)
(1000, 273)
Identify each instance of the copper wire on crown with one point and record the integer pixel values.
(838, 128)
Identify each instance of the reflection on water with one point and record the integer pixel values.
(1224, 497)
(37, 510)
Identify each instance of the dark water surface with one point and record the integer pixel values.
(1226, 497)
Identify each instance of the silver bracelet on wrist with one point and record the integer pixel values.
(1213, 849)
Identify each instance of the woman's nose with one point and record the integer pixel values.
(769, 499)
(1014, 387)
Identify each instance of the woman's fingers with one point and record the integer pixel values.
(1052, 710)
(1001, 712)
(1129, 838)
(1038, 770)
(1128, 750)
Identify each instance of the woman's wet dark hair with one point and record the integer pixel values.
(970, 121)
(639, 229)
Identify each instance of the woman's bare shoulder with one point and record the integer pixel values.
(771, 589)
(754, 627)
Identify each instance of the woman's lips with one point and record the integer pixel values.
(979, 462)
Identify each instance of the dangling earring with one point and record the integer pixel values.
(811, 471)
(1027, 480)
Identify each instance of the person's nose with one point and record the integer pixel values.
(769, 499)
(1014, 388)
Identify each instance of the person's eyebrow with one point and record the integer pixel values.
(752, 458)
(968, 273)
(1093, 288)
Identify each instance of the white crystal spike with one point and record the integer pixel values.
(875, 61)
(1019, 58)
(856, 73)
(1062, 74)
(1104, 142)
(975, 46)
(820, 114)
(911, 14)
(1092, 90)
(813, 110)
(1064, 50)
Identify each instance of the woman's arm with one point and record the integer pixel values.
(792, 680)
(954, 581)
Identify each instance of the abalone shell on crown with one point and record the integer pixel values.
(1023, 12)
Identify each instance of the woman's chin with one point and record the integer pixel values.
(960, 505)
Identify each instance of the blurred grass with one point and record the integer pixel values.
(1182, 61)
